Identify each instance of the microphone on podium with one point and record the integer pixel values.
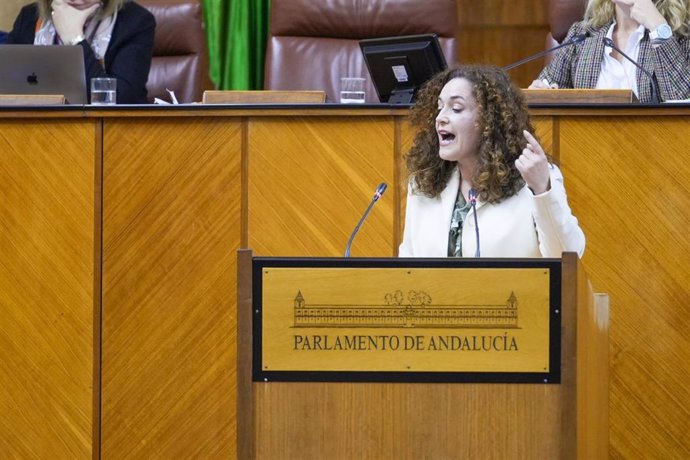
(573, 41)
(472, 194)
(655, 89)
(377, 194)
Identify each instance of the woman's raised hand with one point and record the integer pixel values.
(542, 84)
(643, 12)
(534, 166)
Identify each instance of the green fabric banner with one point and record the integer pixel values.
(236, 31)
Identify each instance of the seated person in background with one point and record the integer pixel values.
(473, 137)
(116, 35)
(655, 33)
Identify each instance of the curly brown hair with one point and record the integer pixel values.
(503, 117)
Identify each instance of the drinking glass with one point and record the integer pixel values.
(352, 90)
(103, 91)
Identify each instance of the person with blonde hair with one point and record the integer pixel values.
(116, 36)
(655, 33)
(480, 183)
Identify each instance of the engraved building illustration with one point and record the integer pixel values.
(418, 312)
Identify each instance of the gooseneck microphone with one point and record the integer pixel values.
(472, 194)
(573, 41)
(377, 194)
(655, 89)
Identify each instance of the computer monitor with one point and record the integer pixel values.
(399, 66)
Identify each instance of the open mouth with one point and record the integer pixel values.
(445, 138)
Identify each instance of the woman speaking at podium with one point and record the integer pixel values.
(480, 182)
(653, 33)
(116, 35)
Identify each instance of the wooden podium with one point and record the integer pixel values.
(420, 358)
(579, 96)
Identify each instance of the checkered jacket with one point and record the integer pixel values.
(578, 66)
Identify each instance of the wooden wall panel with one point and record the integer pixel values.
(394, 421)
(499, 33)
(407, 139)
(171, 228)
(514, 13)
(501, 46)
(310, 180)
(47, 227)
(166, 205)
(633, 205)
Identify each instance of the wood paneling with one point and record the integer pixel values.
(592, 380)
(407, 134)
(628, 184)
(494, 12)
(499, 33)
(310, 182)
(172, 220)
(504, 45)
(47, 181)
(393, 421)
(171, 227)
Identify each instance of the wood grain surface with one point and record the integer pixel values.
(178, 200)
(310, 182)
(171, 227)
(627, 179)
(499, 33)
(395, 421)
(309, 420)
(47, 183)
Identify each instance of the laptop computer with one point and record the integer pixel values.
(31, 69)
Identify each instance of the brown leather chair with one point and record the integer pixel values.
(313, 43)
(180, 56)
(562, 15)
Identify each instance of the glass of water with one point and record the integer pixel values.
(103, 91)
(352, 90)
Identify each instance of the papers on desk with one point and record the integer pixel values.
(173, 98)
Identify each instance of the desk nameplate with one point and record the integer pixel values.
(392, 320)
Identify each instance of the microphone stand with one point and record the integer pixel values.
(473, 202)
(573, 41)
(379, 192)
(655, 90)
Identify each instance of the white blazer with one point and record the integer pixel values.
(524, 225)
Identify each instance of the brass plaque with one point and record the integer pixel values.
(405, 320)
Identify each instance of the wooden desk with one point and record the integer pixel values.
(120, 227)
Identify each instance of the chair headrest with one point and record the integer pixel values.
(177, 26)
(562, 15)
(353, 19)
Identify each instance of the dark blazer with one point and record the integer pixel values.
(128, 57)
(579, 66)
